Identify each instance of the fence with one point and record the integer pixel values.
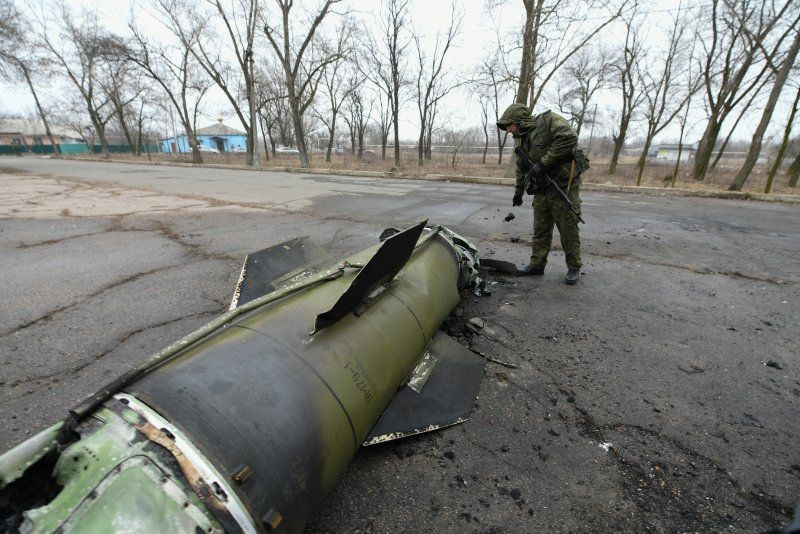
(71, 148)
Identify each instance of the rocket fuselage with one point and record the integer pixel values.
(292, 408)
(274, 413)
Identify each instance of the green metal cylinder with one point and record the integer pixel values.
(264, 397)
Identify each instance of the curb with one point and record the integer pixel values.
(601, 188)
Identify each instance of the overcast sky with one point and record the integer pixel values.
(480, 29)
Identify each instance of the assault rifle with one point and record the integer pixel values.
(549, 181)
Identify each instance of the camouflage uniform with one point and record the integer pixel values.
(548, 139)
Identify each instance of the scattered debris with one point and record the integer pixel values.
(477, 322)
(493, 360)
(509, 217)
(773, 364)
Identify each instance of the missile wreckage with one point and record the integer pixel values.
(246, 424)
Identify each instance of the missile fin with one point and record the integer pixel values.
(445, 398)
(277, 266)
(387, 261)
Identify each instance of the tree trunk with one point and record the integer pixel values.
(787, 132)
(125, 130)
(100, 128)
(421, 147)
(680, 142)
(56, 149)
(501, 145)
(396, 133)
(331, 132)
(766, 116)
(745, 109)
(643, 159)
(706, 147)
(485, 144)
(619, 140)
(794, 171)
(264, 137)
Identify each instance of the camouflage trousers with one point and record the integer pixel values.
(549, 210)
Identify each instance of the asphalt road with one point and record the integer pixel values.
(659, 394)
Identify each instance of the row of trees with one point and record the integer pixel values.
(286, 70)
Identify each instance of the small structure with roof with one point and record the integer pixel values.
(669, 153)
(218, 137)
(31, 132)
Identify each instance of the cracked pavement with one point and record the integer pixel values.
(659, 394)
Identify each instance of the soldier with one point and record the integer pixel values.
(550, 142)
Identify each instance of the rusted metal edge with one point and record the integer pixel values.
(238, 291)
(204, 479)
(397, 435)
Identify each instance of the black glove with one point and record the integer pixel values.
(537, 171)
(517, 199)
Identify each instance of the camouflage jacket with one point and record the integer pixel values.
(547, 138)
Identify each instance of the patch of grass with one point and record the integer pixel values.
(470, 164)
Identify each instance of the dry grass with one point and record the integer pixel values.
(655, 174)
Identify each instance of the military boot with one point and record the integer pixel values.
(531, 270)
(572, 276)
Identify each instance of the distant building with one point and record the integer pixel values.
(670, 152)
(217, 136)
(28, 132)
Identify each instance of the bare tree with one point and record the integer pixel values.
(336, 83)
(80, 50)
(727, 67)
(490, 81)
(662, 102)
(682, 120)
(746, 110)
(375, 69)
(630, 84)
(391, 52)
(430, 84)
(119, 82)
(483, 102)
(359, 109)
(455, 139)
(781, 75)
(301, 73)
(587, 72)
(787, 132)
(172, 68)
(273, 107)
(555, 30)
(193, 22)
(19, 58)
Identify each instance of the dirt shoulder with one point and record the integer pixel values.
(654, 181)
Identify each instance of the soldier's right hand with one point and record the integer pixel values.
(517, 201)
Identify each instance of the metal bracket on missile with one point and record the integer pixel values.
(387, 261)
(372, 298)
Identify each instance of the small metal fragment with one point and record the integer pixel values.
(272, 519)
(242, 474)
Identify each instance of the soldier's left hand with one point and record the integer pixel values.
(537, 171)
